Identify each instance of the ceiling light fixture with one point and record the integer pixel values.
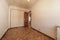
(28, 0)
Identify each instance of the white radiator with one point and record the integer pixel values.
(58, 33)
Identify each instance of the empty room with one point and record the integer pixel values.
(29, 19)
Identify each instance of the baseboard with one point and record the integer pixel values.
(16, 27)
(43, 33)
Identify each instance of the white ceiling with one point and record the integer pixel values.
(22, 3)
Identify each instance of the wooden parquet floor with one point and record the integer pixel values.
(24, 34)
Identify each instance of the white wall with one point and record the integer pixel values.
(3, 17)
(17, 16)
(46, 16)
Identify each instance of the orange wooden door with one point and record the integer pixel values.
(26, 19)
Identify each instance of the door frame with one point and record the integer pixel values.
(29, 20)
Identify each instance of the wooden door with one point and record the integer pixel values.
(16, 18)
(26, 19)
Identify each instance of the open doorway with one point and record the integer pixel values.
(27, 19)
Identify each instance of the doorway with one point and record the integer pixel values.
(27, 19)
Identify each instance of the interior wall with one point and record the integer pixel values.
(3, 17)
(46, 16)
(17, 16)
